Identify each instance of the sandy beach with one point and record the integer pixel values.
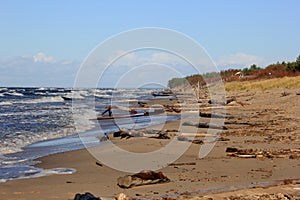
(262, 130)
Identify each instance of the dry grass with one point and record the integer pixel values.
(265, 84)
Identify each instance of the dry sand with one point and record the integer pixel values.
(265, 121)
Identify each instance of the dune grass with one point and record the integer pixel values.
(265, 84)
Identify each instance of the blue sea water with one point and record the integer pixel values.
(36, 122)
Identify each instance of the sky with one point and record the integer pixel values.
(44, 43)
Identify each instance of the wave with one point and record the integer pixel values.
(35, 118)
(24, 172)
(82, 118)
(6, 114)
(3, 89)
(13, 93)
(42, 100)
(13, 161)
(80, 122)
(76, 95)
(102, 95)
(16, 143)
(42, 89)
(5, 103)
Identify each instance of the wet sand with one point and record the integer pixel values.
(264, 124)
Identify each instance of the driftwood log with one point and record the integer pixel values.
(256, 153)
(181, 164)
(228, 100)
(210, 115)
(204, 125)
(161, 135)
(142, 178)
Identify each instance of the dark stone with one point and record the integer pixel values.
(86, 196)
(117, 134)
(231, 150)
(223, 139)
(125, 135)
(197, 141)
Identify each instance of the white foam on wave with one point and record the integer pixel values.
(15, 144)
(5, 103)
(43, 100)
(13, 93)
(13, 161)
(75, 95)
(82, 118)
(81, 114)
(82, 122)
(58, 171)
(33, 172)
(102, 95)
(42, 112)
(82, 92)
(33, 101)
(39, 93)
(102, 91)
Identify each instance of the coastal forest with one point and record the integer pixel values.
(254, 72)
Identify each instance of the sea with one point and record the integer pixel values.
(36, 122)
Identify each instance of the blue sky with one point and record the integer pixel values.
(42, 43)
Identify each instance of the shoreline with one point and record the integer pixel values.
(56, 145)
(251, 127)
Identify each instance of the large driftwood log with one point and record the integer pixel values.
(198, 134)
(161, 135)
(210, 115)
(220, 102)
(204, 125)
(142, 178)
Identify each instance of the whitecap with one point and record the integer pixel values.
(82, 118)
(12, 161)
(5, 103)
(13, 93)
(3, 89)
(25, 172)
(102, 95)
(15, 143)
(73, 96)
(82, 93)
(57, 171)
(43, 100)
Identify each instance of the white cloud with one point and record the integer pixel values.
(141, 57)
(106, 68)
(37, 70)
(67, 62)
(168, 59)
(240, 59)
(43, 58)
(156, 65)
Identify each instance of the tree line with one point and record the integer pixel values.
(279, 69)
